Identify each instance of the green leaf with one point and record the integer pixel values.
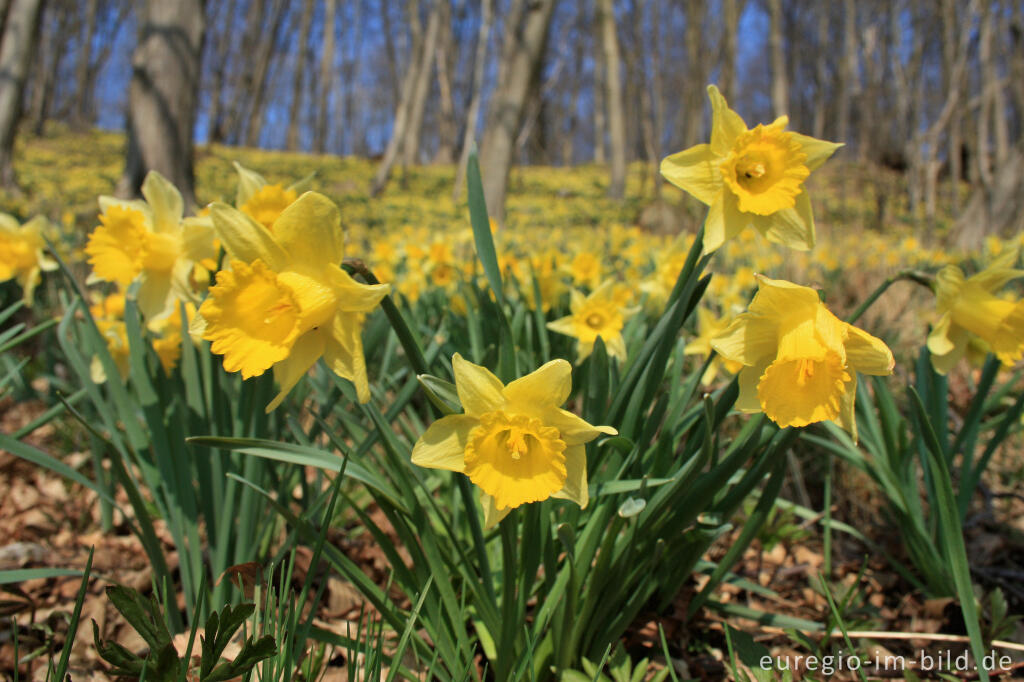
(482, 226)
(441, 393)
(142, 615)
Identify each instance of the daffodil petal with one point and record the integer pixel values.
(245, 239)
(748, 339)
(696, 171)
(564, 325)
(868, 354)
(344, 352)
(574, 430)
(154, 296)
(817, 151)
(550, 384)
(309, 229)
(492, 515)
(353, 296)
(792, 227)
(443, 444)
(726, 124)
(165, 201)
(249, 182)
(749, 378)
(479, 390)
(575, 488)
(307, 350)
(847, 418)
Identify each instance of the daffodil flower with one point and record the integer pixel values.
(800, 361)
(598, 314)
(514, 442)
(152, 242)
(263, 201)
(750, 177)
(21, 253)
(285, 302)
(968, 305)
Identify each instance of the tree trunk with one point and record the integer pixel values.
(163, 94)
(848, 71)
(403, 110)
(446, 128)
(600, 125)
(264, 55)
(473, 113)
(525, 41)
(16, 52)
(326, 66)
(731, 10)
(302, 59)
(220, 48)
(423, 64)
(613, 97)
(821, 94)
(82, 90)
(780, 83)
(997, 210)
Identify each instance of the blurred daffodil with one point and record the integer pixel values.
(800, 361)
(285, 302)
(969, 305)
(21, 253)
(599, 314)
(263, 201)
(514, 442)
(750, 177)
(151, 241)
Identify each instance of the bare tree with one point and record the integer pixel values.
(780, 84)
(613, 98)
(473, 113)
(326, 65)
(16, 46)
(265, 52)
(163, 94)
(82, 90)
(302, 59)
(421, 86)
(524, 42)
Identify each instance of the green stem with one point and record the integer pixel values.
(922, 278)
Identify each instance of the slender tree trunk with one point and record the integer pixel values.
(848, 71)
(446, 128)
(821, 94)
(350, 71)
(264, 55)
(730, 27)
(600, 125)
(219, 51)
(163, 94)
(522, 54)
(403, 111)
(780, 82)
(692, 110)
(473, 113)
(82, 90)
(47, 64)
(421, 90)
(16, 51)
(616, 115)
(326, 65)
(302, 61)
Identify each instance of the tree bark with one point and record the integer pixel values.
(613, 98)
(473, 113)
(731, 10)
(780, 82)
(848, 71)
(421, 90)
(302, 59)
(525, 40)
(219, 50)
(326, 65)
(16, 52)
(600, 125)
(83, 92)
(446, 128)
(163, 95)
(264, 55)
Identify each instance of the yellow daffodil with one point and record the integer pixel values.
(263, 201)
(968, 305)
(708, 327)
(750, 177)
(150, 241)
(514, 442)
(285, 302)
(21, 253)
(599, 314)
(800, 361)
